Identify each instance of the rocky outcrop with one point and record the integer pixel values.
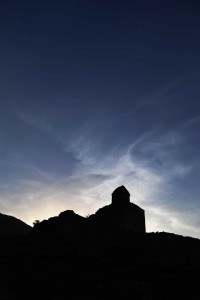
(67, 221)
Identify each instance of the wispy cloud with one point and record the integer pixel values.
(149, 165)
(150, 187)
(190, 122)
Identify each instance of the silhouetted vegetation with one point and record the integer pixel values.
(36, 222)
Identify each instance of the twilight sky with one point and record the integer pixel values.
(96, 94)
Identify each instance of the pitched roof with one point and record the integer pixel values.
(121, 190)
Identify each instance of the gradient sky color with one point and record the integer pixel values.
(98, 94)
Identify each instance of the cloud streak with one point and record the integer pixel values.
(151, 186)
(149, 165)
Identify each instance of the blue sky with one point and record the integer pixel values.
(96, 95)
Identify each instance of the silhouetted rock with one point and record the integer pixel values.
(12, 225)
(67, 221)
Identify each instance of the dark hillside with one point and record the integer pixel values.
(105, 256)
(12, 225)
(98, 264)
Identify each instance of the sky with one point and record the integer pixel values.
(99, 94)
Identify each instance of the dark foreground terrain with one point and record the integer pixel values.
(99, 265)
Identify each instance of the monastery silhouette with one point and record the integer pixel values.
(121, 213)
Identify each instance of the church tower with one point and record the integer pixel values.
(120, 196)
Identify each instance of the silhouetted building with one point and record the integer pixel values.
(120, 196)
(121, 213)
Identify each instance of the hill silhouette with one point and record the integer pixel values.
(71, 257)
(12, 225)
(100, 264)
(66, 222)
